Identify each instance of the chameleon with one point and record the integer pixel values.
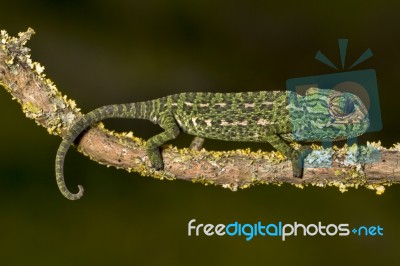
(275, 117)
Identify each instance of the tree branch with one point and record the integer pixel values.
(41, 101)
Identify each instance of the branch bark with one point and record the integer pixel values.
(41, 101)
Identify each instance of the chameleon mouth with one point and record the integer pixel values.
(348, 137)
(356, 134)
(344, 136)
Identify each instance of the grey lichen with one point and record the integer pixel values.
(16, 52)
(319, 158)
(362, 154)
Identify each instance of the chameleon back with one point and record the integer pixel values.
(246, 116)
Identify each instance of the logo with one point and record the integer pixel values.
(361, 83)
(281, 230)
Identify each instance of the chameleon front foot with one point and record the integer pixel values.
(155, 159)
(298, 161)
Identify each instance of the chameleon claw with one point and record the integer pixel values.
(298, 161)
(158, 167)
(155, 159)
(297, 171)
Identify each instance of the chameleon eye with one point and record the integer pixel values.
(341, 106)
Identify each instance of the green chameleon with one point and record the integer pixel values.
(276, 117)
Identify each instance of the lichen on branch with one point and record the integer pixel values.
(48, 107)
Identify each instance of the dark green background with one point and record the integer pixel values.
(102, 52)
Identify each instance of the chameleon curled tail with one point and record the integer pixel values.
(131, 110)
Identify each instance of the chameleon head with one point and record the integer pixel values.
(330, 115)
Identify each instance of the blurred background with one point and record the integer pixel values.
(103, 52)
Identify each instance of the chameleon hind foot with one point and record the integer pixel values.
(298, 161)
(155, 158)
(167, 122)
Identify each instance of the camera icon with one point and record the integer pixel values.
(361, 83)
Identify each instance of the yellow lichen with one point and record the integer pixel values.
(38, 68)
(316, 147)
(203, 180)
(342, 188)
(31, 109)
(396, 147)
(380, 189)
